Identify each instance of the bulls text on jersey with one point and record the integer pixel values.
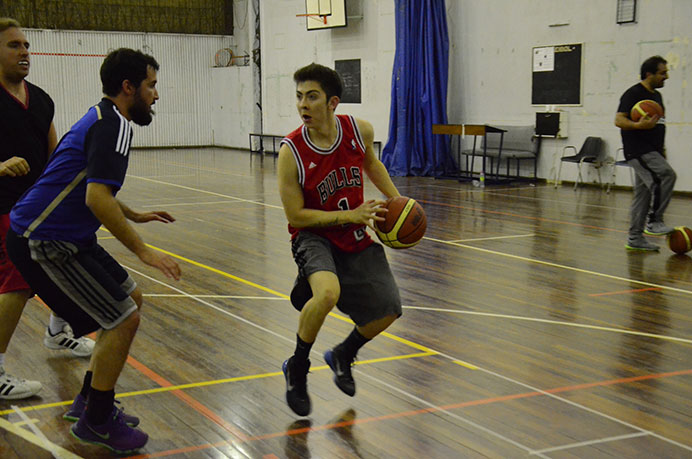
(336, 180)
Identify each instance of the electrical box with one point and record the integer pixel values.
(552, 124)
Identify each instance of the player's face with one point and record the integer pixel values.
(660, 76)
(145, 96)
(14, 54)
(311, 101)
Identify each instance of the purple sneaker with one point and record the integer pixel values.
(79, 405)
(114, 434)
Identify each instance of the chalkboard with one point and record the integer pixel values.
(556, 75)
(349, 71)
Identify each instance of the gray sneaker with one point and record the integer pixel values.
(657, 229)
(641, 245)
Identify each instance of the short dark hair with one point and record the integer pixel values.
(125, 64)
(328, 79)
(651, 65)
(6, 23)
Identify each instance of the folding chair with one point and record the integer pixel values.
(622, 163)
(589, 153)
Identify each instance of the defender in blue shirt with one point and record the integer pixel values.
(52, 241)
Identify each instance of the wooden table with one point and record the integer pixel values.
(476, 130)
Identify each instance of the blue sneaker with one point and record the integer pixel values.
(79, 406)
(114, 434)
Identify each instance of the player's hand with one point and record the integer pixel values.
(14, 167)
(164, 263)
(154, 216)
(368, 212)
(647, 122)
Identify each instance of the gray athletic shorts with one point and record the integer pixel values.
(368, 289)
(83, 285)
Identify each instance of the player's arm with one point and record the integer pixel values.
(372, 166)
(623, 121)
(143, 217)
(52, 139)
(104, 206)
(294, 203)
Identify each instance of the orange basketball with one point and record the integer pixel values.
(404, 224)
(645, 107)
(680, 240)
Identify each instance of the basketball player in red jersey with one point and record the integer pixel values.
(320, 172)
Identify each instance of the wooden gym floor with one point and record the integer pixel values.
(528, 330)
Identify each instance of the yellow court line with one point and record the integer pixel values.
(214, 270)
(54, 449)
(281, 295)
(219, 381)
(556, 265)
(223, 273)
(470, 366)
(389, 335)
(274, 292)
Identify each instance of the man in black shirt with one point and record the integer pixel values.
(643, 143)
(27, 137)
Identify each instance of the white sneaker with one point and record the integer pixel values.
(80, 347)
(12, 388)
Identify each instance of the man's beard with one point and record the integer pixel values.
(141, 112)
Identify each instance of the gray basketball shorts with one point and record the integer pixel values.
(82, 284)
(368, 289)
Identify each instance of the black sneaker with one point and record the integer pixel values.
(297, 386)
(342, 371)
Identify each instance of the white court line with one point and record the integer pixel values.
(27, 422)
(455, 416)
(207, 192)
(37, 438)
(564, 400)
(554, 322)
(589, 443)
(442, 354)
(558, 201)
(178, 295)
(172, 176)
(314, 351)
(557, 265)
(494, 237)
(190, 203)
(490, 372)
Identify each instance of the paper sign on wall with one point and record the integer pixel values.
(544, 59)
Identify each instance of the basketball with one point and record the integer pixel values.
(404, 224)
(645, 107)
(680, 240)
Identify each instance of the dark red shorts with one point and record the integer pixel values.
(10, 279)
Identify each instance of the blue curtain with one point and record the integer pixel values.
(419, 90)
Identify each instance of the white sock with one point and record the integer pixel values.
(2, 363)
(56, 324)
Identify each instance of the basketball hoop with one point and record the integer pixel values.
(223, 57)
(317, 17)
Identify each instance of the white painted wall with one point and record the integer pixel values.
(490, 68)
(66, 65)
(287, 46)
(489, 82)
(232, 106)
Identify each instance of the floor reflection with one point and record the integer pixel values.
(344, 430)
(641, 355)
(296, 446)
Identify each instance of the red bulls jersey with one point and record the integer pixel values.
(332, 179)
